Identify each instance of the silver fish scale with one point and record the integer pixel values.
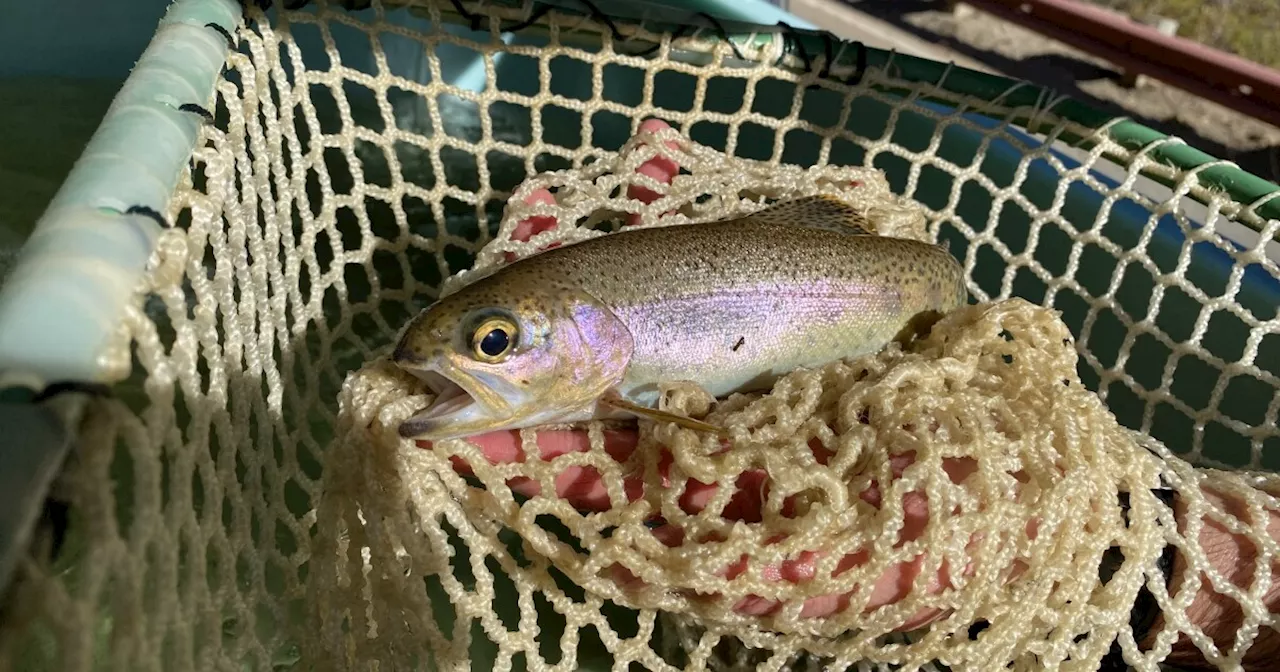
(734, 304)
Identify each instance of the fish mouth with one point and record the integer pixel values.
(451, 405)
(450, 397)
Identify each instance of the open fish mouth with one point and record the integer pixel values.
(450, 397)
(451, 403)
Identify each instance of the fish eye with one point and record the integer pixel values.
(493, 340)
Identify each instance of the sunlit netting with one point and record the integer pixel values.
(243, 501)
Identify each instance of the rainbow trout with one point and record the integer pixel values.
(589, 330)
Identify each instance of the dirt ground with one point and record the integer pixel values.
(1012, 51)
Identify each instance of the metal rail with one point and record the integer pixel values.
(1226, 79)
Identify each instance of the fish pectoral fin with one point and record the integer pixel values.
(663, 416)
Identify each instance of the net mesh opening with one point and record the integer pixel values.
(242, 499)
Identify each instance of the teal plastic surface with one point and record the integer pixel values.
(749, 11)
(26, 474)
(65, 296)
(83, 39)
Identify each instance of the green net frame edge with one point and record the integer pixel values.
(66, 293)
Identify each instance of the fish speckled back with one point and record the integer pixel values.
(733, 304)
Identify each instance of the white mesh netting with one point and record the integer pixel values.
(243, 501)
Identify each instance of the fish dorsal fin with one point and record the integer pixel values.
(821, 211)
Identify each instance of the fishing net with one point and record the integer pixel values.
(242, 499)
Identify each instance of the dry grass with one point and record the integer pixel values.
(1247, 28)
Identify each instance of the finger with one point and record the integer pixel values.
(506, 446)
(532, 226)
(745, 504)
(894, 585)
(897, 581)
(660, 168)
(582, 486)
(956, 468)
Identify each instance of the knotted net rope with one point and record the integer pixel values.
(1018, 464)
(243, 501)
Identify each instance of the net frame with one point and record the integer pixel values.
(1151, 159)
